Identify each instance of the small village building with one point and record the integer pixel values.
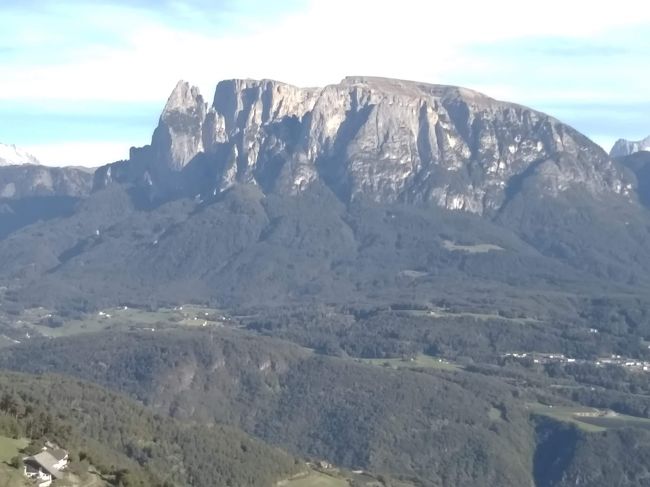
(46, 466)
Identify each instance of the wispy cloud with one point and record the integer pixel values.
(88, 153)
(562, 47)
(64, 55)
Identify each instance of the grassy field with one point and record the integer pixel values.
(470, 249)
(567, 414)
(120, 319)
(590, 419)
(338, 478)
(315, 479)
(494, 414)
(443, 313)
(413, 274)
(92, 480)
(9, 448)
(10, 477)
(619, 421)
(418, 362)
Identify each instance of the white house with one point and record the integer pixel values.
(61, 456)
(46, 466)
(42, 477)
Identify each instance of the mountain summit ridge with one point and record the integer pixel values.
(624, 147)
(378, 139)
(333, 192)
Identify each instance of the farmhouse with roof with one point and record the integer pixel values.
(46, 466)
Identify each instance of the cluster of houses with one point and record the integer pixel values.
(628, 363)
(542, 358)
(547, 358)
(46, 466)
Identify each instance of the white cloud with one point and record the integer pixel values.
(85, 153)
(413, 39)
(416, 39)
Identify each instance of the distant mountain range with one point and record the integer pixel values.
(370, 139)
(23, 176)
(301, 192)
(12, 155)
(624, 147)
(30, 180)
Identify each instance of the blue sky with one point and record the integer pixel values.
(83, 81)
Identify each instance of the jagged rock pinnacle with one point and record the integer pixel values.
(178, 137)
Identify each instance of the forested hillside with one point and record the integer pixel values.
(130, 445)
(433, 426)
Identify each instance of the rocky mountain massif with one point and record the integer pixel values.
(298, 193)
(624, 147)
(373, 139)
(396, 275)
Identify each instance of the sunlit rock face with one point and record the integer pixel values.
(373, 139)
(624, 147)
(177, 139)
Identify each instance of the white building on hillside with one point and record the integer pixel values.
(46, 466)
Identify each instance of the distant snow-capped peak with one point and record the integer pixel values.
(11, 155)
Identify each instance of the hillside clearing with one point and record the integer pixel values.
(436, 313)
(591, 420)
(420, 361)
(315, 479)
(470, 249)
(44, 322)
(9, 447)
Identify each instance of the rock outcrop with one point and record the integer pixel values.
(379, 139)
(624, 147)
(177, 139)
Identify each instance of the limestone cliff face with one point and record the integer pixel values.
(367, 138)
(177, 139)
